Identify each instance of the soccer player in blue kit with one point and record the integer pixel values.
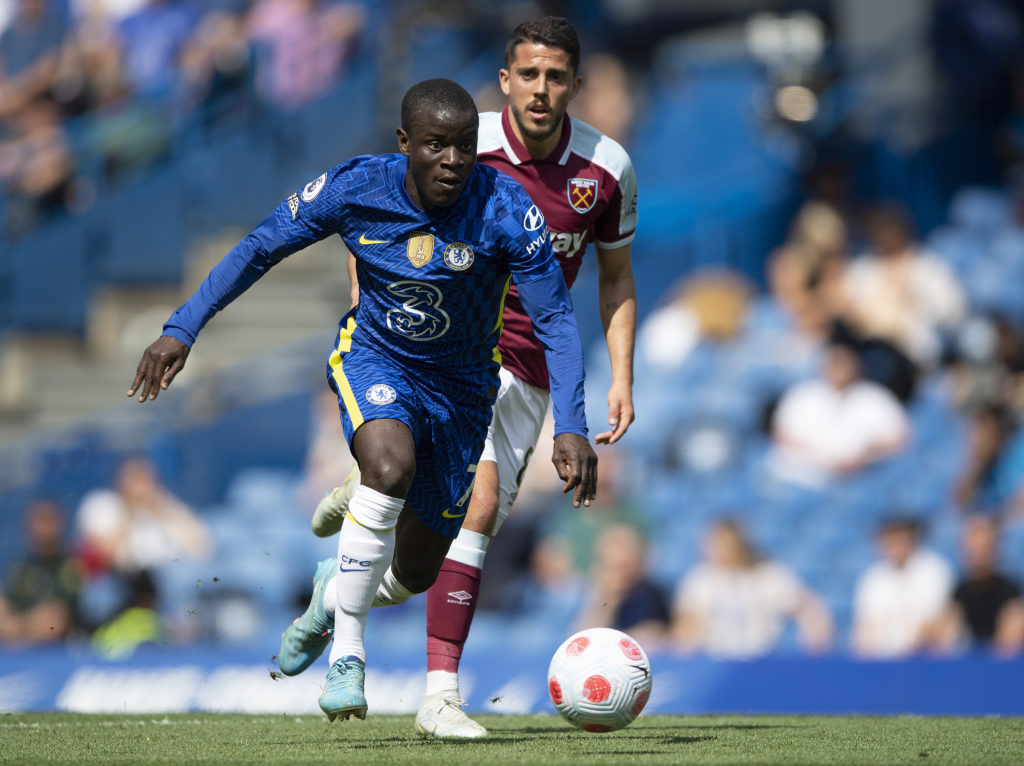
(437, 240)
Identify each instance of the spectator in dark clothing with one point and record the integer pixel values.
(986, 610)
(620, 594)
(979, 488)
(38, 599)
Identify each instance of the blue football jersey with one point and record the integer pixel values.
(431, 283)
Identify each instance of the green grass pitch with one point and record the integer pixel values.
(653, 739)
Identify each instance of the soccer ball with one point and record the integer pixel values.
(599, 679)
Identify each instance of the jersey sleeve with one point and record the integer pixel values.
(542, 291)
(307, 216)
(617, 224)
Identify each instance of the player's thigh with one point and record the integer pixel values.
(419, 552)
(381, 414)
(516, 423)
(386, 452)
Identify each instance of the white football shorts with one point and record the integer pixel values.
(516, 422)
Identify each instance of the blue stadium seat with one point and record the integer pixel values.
(231, 180)
(6, 288)
(147, 232)
(52, 278)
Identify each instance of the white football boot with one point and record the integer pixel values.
(330, 511)
(441, 716)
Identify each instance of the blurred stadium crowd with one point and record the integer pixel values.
(828, 455)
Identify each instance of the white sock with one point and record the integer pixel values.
(390, 592)
(469, 548)
(365, 547)
(442, 681)
(331, 595)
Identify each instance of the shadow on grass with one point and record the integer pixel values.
(511, 736)
(742, 726)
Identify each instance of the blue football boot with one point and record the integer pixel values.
(343, 695)
(307, 637)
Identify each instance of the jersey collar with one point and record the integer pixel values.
(517, 152)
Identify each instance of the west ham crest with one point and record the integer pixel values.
(582, 194)
(420, 248)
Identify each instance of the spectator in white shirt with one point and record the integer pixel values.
(736, 604)
(836, 424)
(901, 292)
(899, 599)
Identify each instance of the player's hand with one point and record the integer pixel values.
(620, 414)
(576, 464)
(159, 364)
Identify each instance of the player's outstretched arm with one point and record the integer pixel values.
(576, 464)
(617, 299)
(159, 365)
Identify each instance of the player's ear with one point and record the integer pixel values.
(503, 80)
(577, 83)
(403, 141)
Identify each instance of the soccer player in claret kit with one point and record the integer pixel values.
(438, 240)
(583, 183)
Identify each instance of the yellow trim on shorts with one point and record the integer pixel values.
(338, 373)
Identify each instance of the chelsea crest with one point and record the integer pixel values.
(380, 393)
(458, 256)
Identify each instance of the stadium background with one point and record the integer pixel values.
(734, 112)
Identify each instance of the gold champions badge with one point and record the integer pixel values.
(420, 248)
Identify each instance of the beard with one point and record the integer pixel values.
(530, 133)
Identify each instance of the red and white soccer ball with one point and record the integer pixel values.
(599, 679)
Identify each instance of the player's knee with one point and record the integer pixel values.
(388, 476)
(501, 510)
(482, 514)
(483, 510)
(388, 468)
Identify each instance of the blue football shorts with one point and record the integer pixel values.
(447, 414)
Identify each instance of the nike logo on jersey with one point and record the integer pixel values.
(364, 241)
(448, 515)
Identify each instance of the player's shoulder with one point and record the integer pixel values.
(491, 134)
(497, 185)
(357, 177)
(364, 164)
(594, 146)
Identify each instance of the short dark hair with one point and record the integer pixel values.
(438, 95)
(902, 522)
(551, 31)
